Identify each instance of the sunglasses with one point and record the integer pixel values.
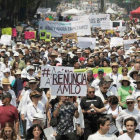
(105, 87)
(91, 92)
(124, 71)
(138, 101)
(31, 70)
(32, 83)
(129, 103)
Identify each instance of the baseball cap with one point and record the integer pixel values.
(100, 70)
(6, 70)
(16, 54)
(38, 116)
(130, 98)
(82, 59)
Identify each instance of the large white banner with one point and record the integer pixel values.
(116, 41)
(43, 10)
(57, 28)
(5, 39)
(95, 20)
(85, 42)
(69, 84)
(47, 71)
(127, 43)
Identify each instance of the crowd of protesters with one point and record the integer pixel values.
(108, 111)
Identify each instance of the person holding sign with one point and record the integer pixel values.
(65, 111)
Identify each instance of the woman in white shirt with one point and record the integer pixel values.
(34, 107)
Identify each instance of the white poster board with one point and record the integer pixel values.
(5, 39)
(58, 28)
(127, 43)
(69, 84)
(95, 20)
(85, 42)
(49, 133)
(106, 25)
(47, 71)
(116, 41)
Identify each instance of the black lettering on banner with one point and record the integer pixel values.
(77, 89)
(48, 81)
(55, 79)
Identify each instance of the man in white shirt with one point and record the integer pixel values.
(102, 133)
(126, 113)
(115, 75)
(130, 124)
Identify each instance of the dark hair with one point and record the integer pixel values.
(102, 82)
(102, 121)
(90, 87)
(127, 81)
(113, 100)
(30, 135)
(13, 135)
(130, 119)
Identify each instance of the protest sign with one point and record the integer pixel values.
(70, 36)
(29, 34)
(42, 34)
(14, 32)
(5, 39)
(6, 31)
(43, 10)
(110, 31)
(116, 41)
(58, 28)
(69, 84)
(127, 43)
(19, 28)
(95, 20)
(48, 37)
(105, 25)
(85, 42)
(35, 35)
(47, 71)
(49, 133)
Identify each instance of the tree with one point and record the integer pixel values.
(13, 11)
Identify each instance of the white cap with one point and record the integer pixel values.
(130, 98)
(6, 70)
(38, 116)
(105, 50)
(3, 50)
(8, 53)
(23, 75)
(16, 54)
(31, 67)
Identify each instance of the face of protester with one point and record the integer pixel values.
(89, 77)
(5, 87)
(96, 58)
(31, 71)
(65, 99)
(33, 85)
(5, 100)
(76, 65)
(90, 62)
(125, 83)
(6, 74)
(122, 63)
(115, 69)
(104, 88)
(100, 74)
(36, 132)
(138, 85)
(138, 101)
(137, 67)
(8, 132)
(2, 53)
(135, 75)
(130, 105)
(16, 58)
(105, 64)
(130, 127)
(101, 55)
(124, 72)
(91, 92)
(106, 127)
(53, 57)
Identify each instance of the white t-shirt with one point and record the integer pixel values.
(113, 112)
(98, 136)
(126, 137)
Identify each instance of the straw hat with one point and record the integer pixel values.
(131, 73)
(5, 81)
(114, 64)
(125, 78)
(18, 72)
(108, 79)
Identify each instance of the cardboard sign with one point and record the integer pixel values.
(69, 84)
(47, 71)
(19, 28)
(29, 35)
(48, 37)
(85, 42)
(70, 36)
(5, 39)
(58, 28)
(7, 31)
(42, 34)
(14, 32)
(110, 31)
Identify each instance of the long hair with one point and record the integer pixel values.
(13, 135)
(30, 135)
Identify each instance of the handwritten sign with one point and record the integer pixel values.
(69, 84)
(70, 36)
(47, 71)
(29, 35)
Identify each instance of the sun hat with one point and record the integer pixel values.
(6, 70)
(16, 54)
(32, 80)
(125, 78)
(114, 64)
(108, 79)
(130, 98)
(7, 95)
(5, 81)
(18, 72)
(131, 73)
